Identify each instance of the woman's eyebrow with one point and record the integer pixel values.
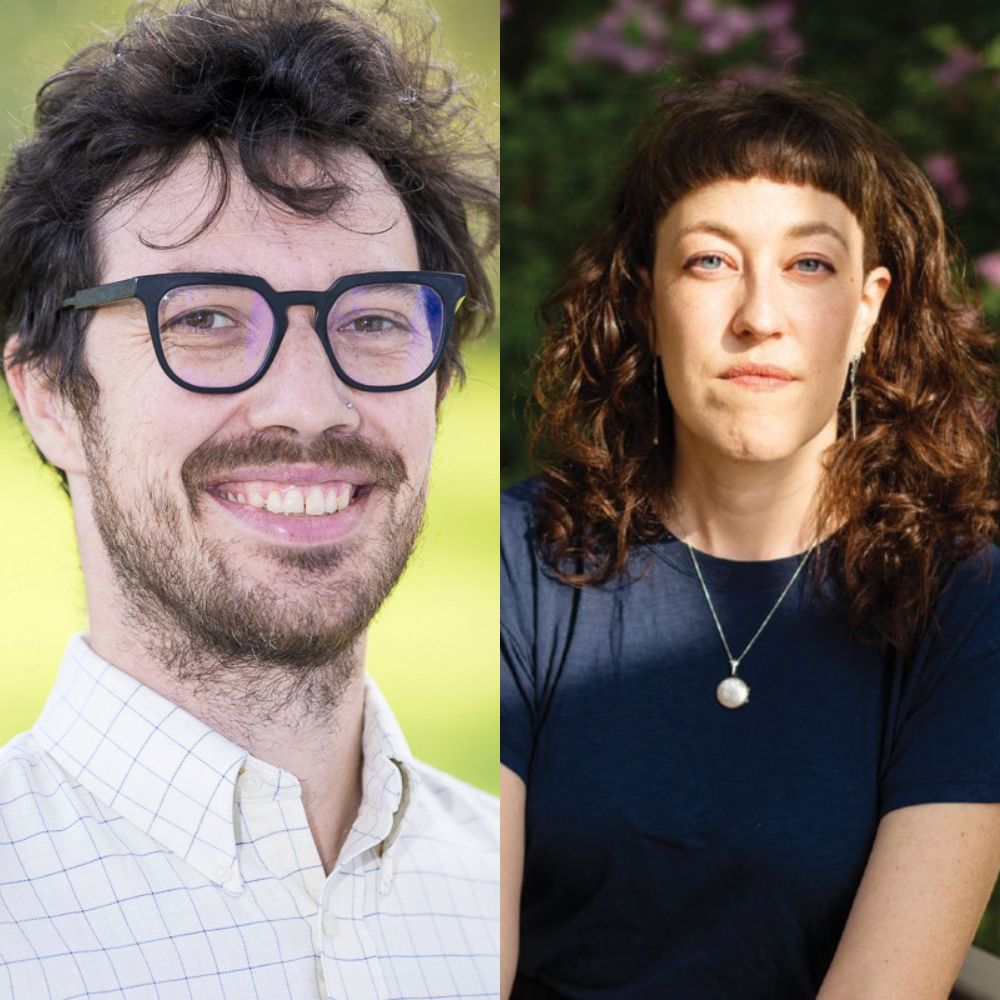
(817, 229)
(795, 232)
(708, 227)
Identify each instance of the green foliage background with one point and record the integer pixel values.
(579, 76)
(433, 647)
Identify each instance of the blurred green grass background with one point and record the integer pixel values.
(433, 647)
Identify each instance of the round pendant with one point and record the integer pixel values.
(733, 692)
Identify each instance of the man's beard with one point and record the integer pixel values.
(263, 647)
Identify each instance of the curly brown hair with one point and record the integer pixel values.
(912, 494)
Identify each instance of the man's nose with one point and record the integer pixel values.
(759, 311)
(300, 391)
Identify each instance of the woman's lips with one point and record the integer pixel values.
(758, 377)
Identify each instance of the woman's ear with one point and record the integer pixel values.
(873, 292)
(51, 420)
(647, 283)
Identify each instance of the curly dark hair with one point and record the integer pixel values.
(913, 493)
(260, 85)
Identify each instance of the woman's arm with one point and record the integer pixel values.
(512, 796)
(927, 882)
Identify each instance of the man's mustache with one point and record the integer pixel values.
(205, 463)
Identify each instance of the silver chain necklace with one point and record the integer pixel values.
(733, 691)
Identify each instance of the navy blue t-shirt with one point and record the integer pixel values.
(679, 849)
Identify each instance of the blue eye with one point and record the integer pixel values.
(812, 265)
(706, 262)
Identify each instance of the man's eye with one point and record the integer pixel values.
(201, 319)
(370, 324)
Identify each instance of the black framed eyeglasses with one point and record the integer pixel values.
(383, 331)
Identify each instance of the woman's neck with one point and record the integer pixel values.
(746, 510)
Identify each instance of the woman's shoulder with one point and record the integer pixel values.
(964, 625)
(974, 579)
(517, 505)
(518, 537)
(967, 615)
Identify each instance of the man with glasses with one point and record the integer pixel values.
(238, 259)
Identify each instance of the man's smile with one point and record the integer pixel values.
(297, 490)
(317, 500)
(303, 499)
(302, 505)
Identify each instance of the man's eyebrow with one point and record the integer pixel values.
(189, 267)
(193, 267)
(795, 232)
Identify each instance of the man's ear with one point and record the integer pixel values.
(50, 419)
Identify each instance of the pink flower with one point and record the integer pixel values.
(612, 20)
(729, 26)
(752, 76)
(785, 43)
(699, 13)
(652, 25)
(776, 15)
(737, 21)
(988, 267)
(961, 62)
(942, 168)
(609, 39)
(610, 47)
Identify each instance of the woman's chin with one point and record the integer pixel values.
(762, 453)
(764, 448)
(754, 435)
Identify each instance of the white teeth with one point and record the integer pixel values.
(315, 501)
(294, 501)
(312, 500)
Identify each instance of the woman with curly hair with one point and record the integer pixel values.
(750, 618)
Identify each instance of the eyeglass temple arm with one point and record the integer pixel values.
(117, 291)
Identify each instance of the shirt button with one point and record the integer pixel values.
(252, 783)
(330, 925)
(221, 871)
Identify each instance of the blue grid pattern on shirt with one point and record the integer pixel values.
(143, 855)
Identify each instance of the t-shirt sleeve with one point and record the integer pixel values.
(516, 723)
(517, 685)
(947, 743)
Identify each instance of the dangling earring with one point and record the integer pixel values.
(656, 400)
(855, 364)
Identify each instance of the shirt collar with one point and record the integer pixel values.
(388, 779)
(175, 778)
(153, 763)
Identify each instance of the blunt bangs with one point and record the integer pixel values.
(732, 135)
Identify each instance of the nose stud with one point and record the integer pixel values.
(349, 405)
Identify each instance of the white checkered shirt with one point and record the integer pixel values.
(143, 856)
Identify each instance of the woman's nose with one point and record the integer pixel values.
(759, 312)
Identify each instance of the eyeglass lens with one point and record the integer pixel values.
(217, 336)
